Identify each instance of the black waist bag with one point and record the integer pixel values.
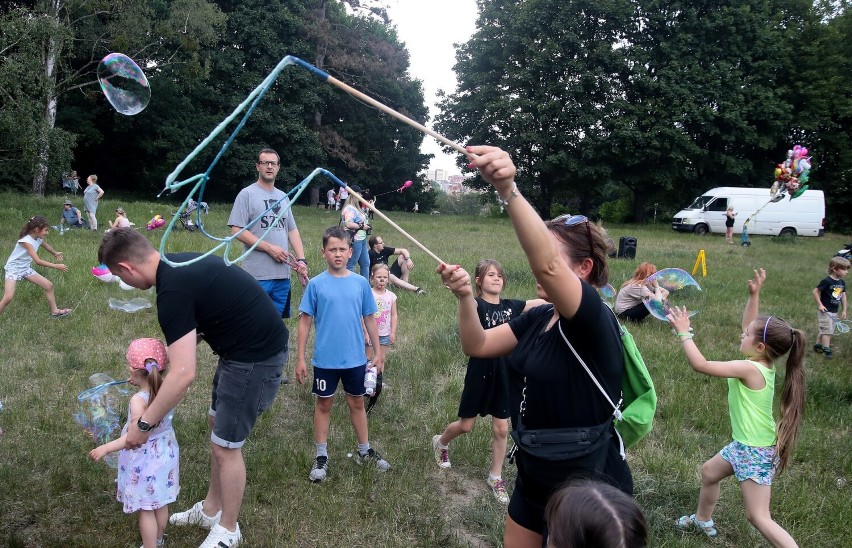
(576, 448)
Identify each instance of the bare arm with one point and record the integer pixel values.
(476, 341)
(373, 331)
(298, 249)
(41, 262)
(58, 254)
(736, 369)
(753, 305)
(394, 323)
(182, 371)
(561, 284)
(532, 303)
(820, 307)
(137, 408)
(276, 252)
(305, 322)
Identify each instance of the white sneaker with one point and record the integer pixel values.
(195, 516)
(442, 454)
(220, 537)
(319, 470)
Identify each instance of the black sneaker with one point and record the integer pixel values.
(319, 470)
(373, 456)
(826, 352)
(818, 348)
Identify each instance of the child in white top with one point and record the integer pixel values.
(147, 476)
(19, 265)
(759, 449)
(386, 321)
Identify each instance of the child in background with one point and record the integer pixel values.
(830, 294)
(486, 389)
(757, 451)
(386, 319)
(338, 301)
(591, 513)
(147, 476)
(19, 265)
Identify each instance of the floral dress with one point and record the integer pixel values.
(148, 476)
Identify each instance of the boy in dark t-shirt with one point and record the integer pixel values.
(830, 294)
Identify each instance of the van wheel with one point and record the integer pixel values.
(787, 233)
(700, 229)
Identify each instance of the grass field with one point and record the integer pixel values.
(51, 494)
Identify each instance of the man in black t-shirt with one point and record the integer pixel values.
(225, 306)
(399, 268)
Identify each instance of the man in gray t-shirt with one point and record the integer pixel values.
(268, 263)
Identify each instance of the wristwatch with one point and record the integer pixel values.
(142, 425)
(303, 261)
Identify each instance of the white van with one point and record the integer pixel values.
(802, 216)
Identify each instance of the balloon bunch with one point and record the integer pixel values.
(156, 222)
(791, 174)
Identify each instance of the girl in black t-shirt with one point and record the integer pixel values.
(567, 256)
(485, 390)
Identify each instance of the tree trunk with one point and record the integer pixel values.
(51, 55)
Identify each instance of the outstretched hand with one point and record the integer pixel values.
(756, 283)
(495, 166)
(456, 279)
(679, 319)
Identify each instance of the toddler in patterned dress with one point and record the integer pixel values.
(147, 476)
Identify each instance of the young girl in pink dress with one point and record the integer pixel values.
(147, 476)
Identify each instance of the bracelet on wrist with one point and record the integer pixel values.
(512, 194)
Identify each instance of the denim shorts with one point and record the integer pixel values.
(750, 463)
(384, 340)
(326, 380)
(241, 392)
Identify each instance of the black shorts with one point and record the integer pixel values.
(729, 223)
(395, 269)
(528, 502)
(486, 389)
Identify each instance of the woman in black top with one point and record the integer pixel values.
(567, 256)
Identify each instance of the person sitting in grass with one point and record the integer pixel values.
(337, 301)
(400, 268)
(759, 450)
(71, 216)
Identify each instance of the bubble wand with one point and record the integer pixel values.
(248, 105)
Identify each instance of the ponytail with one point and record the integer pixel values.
(780, 338)
(35, 223)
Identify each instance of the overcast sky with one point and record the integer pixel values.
(429, 29)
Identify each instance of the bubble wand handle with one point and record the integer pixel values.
(372, 102)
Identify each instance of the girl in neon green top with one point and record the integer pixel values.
(758, 451)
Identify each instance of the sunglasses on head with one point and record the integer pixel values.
(574, 220)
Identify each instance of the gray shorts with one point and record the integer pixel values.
(826, 322)
(19, 274)
(241, 392)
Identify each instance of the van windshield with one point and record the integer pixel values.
(700, 202)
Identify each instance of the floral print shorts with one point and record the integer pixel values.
(750, 463)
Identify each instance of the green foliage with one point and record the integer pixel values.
(45, 363)
(692, 96)
(617, 211)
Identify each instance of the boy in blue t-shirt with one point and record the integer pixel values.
(830, 297)
(338, 301)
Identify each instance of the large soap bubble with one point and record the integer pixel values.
(608, 294)
(124, 84)
(672, 287)
(99, 411)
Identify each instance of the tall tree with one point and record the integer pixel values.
(70, 37)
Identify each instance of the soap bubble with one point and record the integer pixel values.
(99, 413)
(607, 294)
(133, 305)
(672, 287)
(124, 84)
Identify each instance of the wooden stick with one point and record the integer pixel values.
(393, 224)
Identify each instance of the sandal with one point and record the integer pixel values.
(61, 314)
(687, 522)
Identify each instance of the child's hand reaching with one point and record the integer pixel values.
(755, 284)
(679, 319)
(97, 453)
